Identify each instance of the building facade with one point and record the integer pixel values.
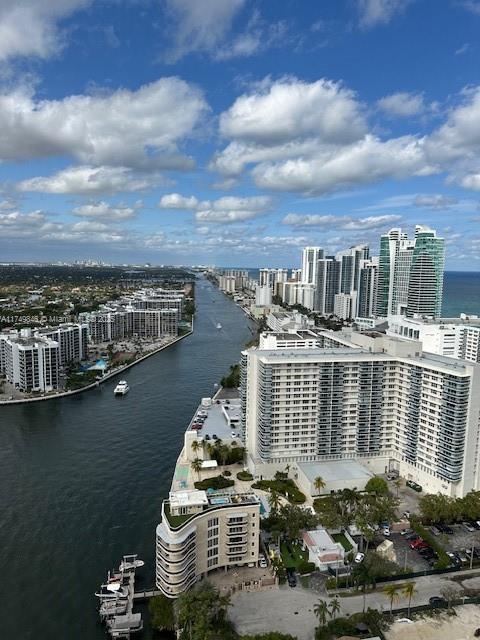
(200, 533)
(30, 363)
(367, 397)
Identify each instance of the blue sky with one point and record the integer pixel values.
(235, 132)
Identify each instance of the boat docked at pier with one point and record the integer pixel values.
(122, 388)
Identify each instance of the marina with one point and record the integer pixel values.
(116, 599)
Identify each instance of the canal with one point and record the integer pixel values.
(82, 478)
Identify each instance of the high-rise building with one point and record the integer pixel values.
(263, 296)
(367, 292)
(410, 273)
(30, 363)
(369, 397)
(310, 258)
(425, 289)
(327, 284)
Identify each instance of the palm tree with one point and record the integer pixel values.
(334, 607)
(319, 484)
(409, 591)
(391, 591)
(321, 611)
(274, 501)
(364, 578)
(196, 466)
(196, 446)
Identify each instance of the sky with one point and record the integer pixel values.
(236, 132)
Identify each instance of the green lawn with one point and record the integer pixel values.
(293, 559)
(341, 538)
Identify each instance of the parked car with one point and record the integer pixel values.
(435, 530)
(412, 536)
(386, 531)
(417, 543)
(262, 561)
(453, 558)
(214, 436)
(207, 437)
(413, 485)
(359, 558)
(468, 527)
(437, 601)
(448, 530)
(406, 532)
(392, 476)
(406, 514)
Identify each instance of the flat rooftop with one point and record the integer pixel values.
(335, 470)
(216, 419)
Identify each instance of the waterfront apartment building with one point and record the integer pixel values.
(263, 295)
(364, 396)
(72, 341)
(110, 324)
(30, 363)
(453, 337)
(310, 258)
(410, 273)
(200, 533)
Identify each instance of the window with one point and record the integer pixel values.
(212, 552)
(213, 522)
(212, 562)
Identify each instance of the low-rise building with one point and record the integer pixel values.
(201, 532)
(323, 551)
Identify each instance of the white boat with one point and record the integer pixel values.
(219, 326)
(106, 593)
(130, 563)
(122, 388)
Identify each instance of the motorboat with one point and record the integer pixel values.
(111, 592)
(130, 563)
(122, 388)
(219, 326)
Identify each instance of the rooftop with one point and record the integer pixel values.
(334, 470)
(222, 419)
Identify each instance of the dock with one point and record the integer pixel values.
(117, 597)
(146, 594)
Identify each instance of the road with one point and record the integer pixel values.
(290, 610)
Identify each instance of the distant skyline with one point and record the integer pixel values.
(236, 132)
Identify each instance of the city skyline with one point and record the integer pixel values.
(236, 135)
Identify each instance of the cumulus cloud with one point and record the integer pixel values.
(339, 222)
(376, 12)
(30, 27)
(87, 180)
(471, 181)
(177, 201)
(140, 129)
(200, 26)
(364, 162)
(223, 210)
(294, 109)
(402, 104)
(105, 211)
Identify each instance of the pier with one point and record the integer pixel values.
(146, 595)
(117, 597)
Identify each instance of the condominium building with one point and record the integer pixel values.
(200, 533)
(227, 284)
(263, 295)
(367, 292)
(72, 341)
(111, 324)
(410, 273)
(327, 285)
(310, 258)
(365, 396)
(453, 337)
(344, 305)
(31, 363)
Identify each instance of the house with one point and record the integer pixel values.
(323, 551)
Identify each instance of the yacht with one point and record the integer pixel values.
(130, 563)
(219, 326)
(122, 388)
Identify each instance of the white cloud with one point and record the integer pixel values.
(200, 26)
(434, 201)
(463, 49)
(105, 211)
(471, 181)
(219, 216)
(292, 109)
(223, 210)
(473, 6)
(139, 129)
(89, 225)
(336, 168)
(85, 180)
(30, 27)
(177, 201)
(339, 222)
(375, 12)
(402, 104)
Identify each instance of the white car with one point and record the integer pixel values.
(386, 531)
(262, 561)
(359, 558)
